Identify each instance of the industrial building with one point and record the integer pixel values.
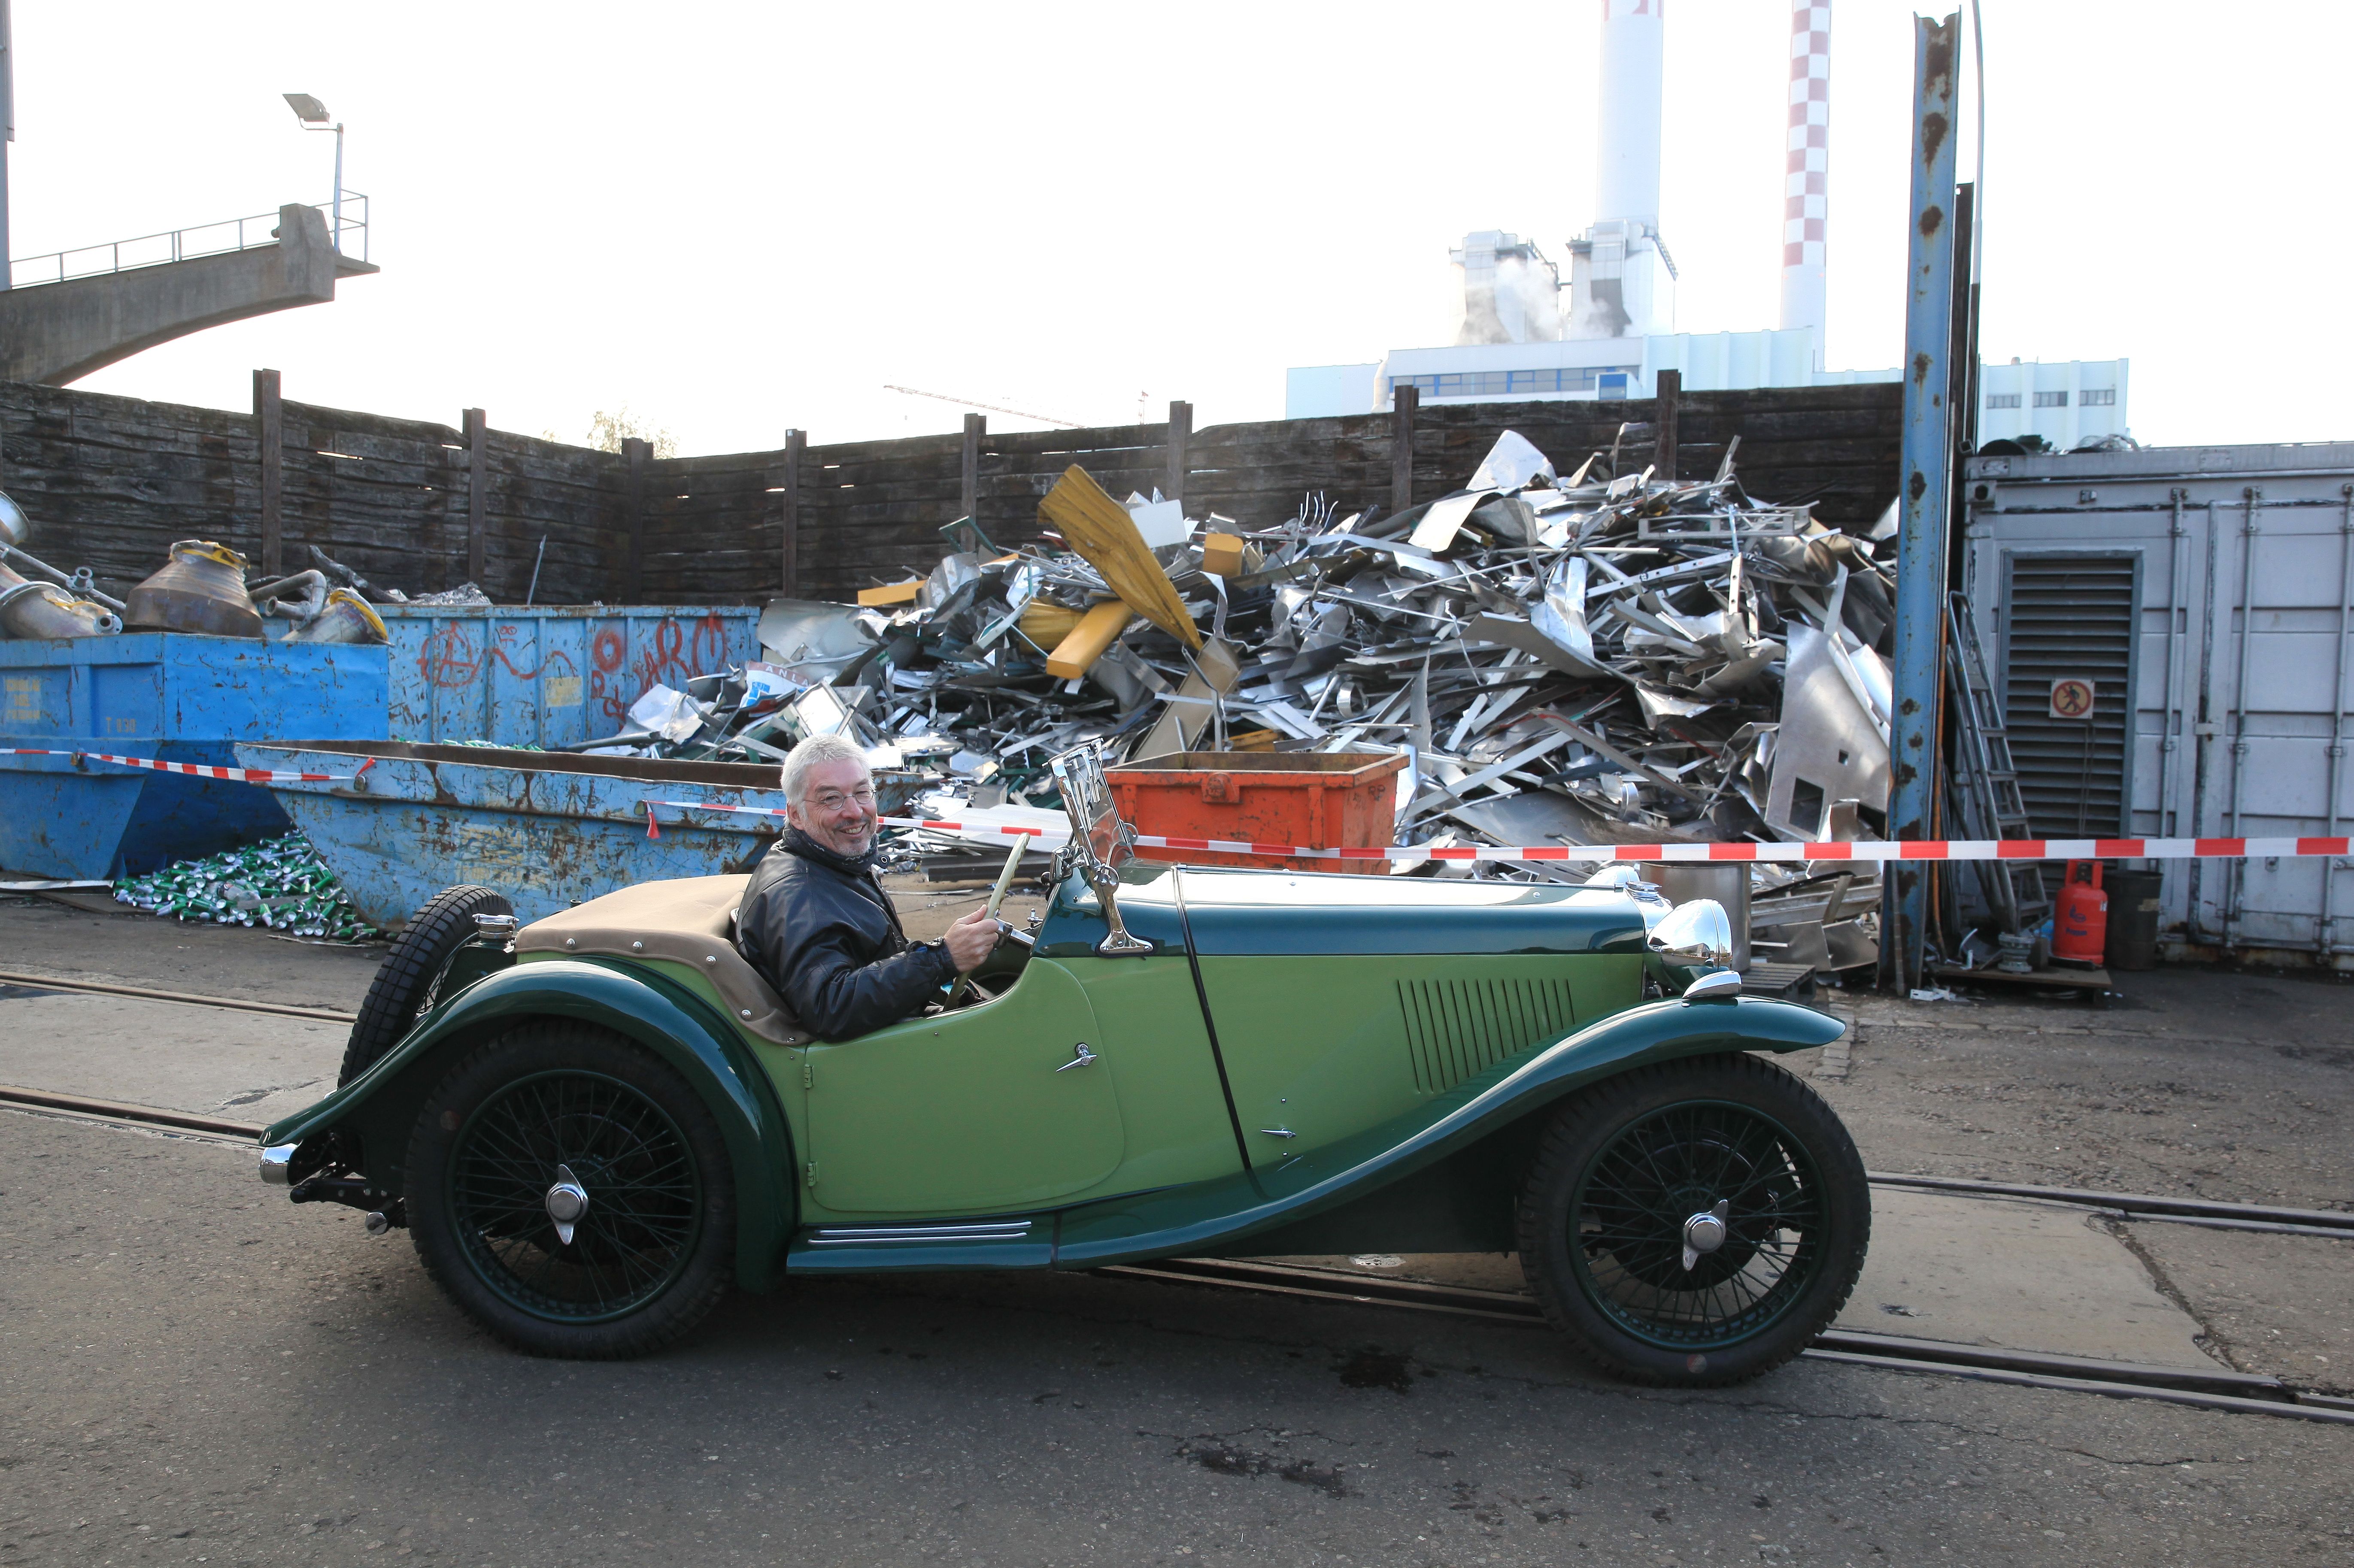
(1607, 332)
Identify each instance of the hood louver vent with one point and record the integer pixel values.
(1456, 1028)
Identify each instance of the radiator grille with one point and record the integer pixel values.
(1456, 1028)
(2069, 615)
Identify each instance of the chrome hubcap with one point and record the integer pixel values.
(1703, 1233)
(568, 1200)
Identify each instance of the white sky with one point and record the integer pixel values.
(740, 218)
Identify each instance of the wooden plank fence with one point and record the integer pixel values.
(112, 481)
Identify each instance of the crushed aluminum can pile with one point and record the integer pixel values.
(281, 884)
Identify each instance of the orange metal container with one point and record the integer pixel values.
(1320, 800)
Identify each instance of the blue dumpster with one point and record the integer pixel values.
(175, 697)
(548, 830)
(551, 675)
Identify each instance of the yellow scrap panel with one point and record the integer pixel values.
(892, 593)
(1100, 529)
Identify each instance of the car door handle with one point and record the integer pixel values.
(1080, 1057)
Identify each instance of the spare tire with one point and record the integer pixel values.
(406, 978)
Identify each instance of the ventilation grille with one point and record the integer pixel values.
(1455, 1029)
(2069, 615)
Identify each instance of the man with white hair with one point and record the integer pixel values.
(815, 921)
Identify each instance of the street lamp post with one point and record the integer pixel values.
(313, 116)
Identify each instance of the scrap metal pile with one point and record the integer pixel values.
(1600, 656)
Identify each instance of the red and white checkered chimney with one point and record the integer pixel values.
(1805, 190)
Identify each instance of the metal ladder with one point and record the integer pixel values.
(1984, 782)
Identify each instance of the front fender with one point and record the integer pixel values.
(1214, 1217)
(377, 1109)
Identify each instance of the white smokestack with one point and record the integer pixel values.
(1620, 284)
(1626, 184)
(1805, 190)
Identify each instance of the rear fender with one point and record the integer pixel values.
(1464, 1147)
(378, 1110)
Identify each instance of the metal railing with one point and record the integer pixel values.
(220, 239)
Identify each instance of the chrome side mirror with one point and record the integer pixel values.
(1695, 932)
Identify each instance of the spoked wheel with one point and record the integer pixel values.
(1697, 1223)
(572, 1193)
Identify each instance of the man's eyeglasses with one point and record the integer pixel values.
(834, 800)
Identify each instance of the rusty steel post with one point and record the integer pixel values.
(1924, 474)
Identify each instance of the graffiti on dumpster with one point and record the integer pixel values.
(457, 673)
(669, 656)
(449, 661)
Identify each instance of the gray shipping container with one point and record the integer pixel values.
(2208, 594)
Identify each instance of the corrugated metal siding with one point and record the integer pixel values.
(2064, 616)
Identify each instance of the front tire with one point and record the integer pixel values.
(651, 1233)
(1614, 1221)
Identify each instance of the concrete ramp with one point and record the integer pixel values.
(57, 333)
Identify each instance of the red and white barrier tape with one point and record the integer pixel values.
(197, 770)
(1871, 850)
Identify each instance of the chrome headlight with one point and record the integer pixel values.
(1697, 931)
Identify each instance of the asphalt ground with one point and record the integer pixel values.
(195, 1371)
(199, 1373)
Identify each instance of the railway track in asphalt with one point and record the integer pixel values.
(187, 998)
(2216, 1389)
(2326, 1223)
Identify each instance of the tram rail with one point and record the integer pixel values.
(2209, 1388)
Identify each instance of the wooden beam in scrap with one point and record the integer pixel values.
(1100, 529)
(892, 593)
(1097, 630)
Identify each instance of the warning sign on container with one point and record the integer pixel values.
(2072, 698)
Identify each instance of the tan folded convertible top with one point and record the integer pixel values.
(690, 921)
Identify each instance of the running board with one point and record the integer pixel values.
(932, 1246)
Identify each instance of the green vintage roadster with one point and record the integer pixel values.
(591, 1124)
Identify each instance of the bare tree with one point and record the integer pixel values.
(608, 430)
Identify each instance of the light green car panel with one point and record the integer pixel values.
(1324, 1047)
(1153, 1038)
(979, 1111)
(972, 1110)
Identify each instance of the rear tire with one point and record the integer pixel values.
(405, 980)
(651, 1254)
(1627, 1167)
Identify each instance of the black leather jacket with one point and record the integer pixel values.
(821, 929)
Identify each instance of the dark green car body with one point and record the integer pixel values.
(1301, 1064)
